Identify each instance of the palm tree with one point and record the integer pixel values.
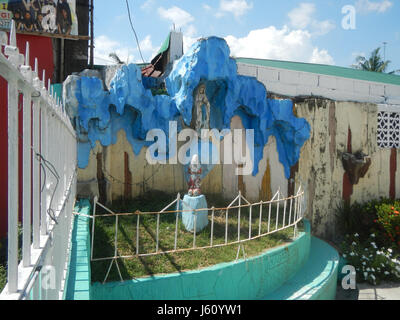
(374, 63)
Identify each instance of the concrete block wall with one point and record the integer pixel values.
(297, 83)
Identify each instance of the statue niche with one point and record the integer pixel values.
(201, 110)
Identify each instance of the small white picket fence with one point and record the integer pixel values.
(278, 214)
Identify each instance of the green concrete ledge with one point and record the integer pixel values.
(317, 280)
(249, 279)
(78, 275)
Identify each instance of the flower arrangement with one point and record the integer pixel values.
(372, 264)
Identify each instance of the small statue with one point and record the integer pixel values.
(202, 109)
(194, 179)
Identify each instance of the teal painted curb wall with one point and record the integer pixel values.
(249, 279)
(323, 287)
(342, 263)
(78, 276)
(316, 280)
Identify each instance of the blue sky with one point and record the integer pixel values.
(306, 31)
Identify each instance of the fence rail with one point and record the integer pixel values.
(289, 212)
(48, 178)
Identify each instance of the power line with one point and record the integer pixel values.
(133, 29)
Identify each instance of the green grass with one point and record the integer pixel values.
(3, 277)
(3, 263)
(3, 257)
(176, 262)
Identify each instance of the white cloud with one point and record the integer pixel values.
(147, 5)
(104, 46)
(146, 45)
(190, 36)
(176, 15)
(366, 6)
(149, 51)
(279, 44)
(302, 17)
(188, 42)
(190, 31)
(183, 20)
(321, 56)
(236, 7)
(206, 7)
(319, 28)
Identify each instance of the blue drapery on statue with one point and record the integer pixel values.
(189, 205)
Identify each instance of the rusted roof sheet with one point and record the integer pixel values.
(148, 71)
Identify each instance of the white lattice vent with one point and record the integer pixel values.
(388, 129)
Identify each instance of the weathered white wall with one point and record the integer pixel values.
(320, 167)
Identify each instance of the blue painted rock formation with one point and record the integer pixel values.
(129, 106)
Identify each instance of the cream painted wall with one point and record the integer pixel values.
(144, 177)
(277, 181)
(253, 184)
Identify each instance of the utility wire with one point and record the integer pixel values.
(45, 164)
(133, 29)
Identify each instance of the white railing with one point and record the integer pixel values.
(270, 217)
(49, 179)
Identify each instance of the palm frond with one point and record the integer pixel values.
(374, 63)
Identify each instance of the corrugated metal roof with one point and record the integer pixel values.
(325, 69)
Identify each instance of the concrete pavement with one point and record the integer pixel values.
(365, 291)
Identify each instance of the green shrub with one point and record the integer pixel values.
(3, 277)
(357, 218)
(3, 256)
(3, 270)
(364, 219)
(159, 92)
(372, 264)
(388, 219)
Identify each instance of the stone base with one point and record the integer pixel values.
(191, 204)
